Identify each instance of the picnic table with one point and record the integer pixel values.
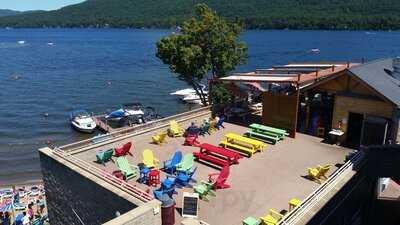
(268, 129)
(233, 157)
(245, 144)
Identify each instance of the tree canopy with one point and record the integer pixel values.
(205, 44)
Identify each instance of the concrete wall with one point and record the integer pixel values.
(71, 194)
(147, 214)
(344, 105)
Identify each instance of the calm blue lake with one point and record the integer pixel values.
(99, 69)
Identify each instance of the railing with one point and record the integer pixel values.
(124, 131)
(104, 175)
(310, 201)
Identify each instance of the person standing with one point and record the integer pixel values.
(1, 218)
(31, 214)
(25, 219)
(6, 219)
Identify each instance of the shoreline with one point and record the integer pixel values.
(32, 182)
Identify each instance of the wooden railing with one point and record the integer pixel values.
(130, 130)
(104, 175)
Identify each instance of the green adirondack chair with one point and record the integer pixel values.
(104, 156)
(186, 164)
(129, 171)
(205, 128)
(204, 189)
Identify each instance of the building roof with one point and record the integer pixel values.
(376, 76)
(291, 73)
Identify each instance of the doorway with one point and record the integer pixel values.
(354, 128)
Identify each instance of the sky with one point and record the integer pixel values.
(24, 5)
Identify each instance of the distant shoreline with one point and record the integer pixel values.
(171, 29)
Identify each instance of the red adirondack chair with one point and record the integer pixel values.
(218, 179)
(125, 149)
(192, 140)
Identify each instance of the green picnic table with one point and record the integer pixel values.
(267, 129)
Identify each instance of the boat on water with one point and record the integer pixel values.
(189, 91)
(134, 113)
(127, 110)
(192, 99)
(21, 42)
(315, 50)
(82, 121)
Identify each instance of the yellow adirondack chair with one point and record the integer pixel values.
(271, 218)
(174, 129)
(324, 170)
(159, 138)
(149, 160)
(213, 123)
(319, 172)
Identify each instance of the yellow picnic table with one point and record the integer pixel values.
(253, 145)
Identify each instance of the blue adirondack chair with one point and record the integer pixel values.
(220, 122)
(170, 165)
(183, 179)
(167, 187)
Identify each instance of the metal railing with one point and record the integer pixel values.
(129, 130)
(104, 175)
(311, 200)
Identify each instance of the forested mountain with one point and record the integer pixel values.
(8, 12)
(270, 14)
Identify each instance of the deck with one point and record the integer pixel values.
(267, 180)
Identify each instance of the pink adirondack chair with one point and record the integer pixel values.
(218, 179)
(125, 149)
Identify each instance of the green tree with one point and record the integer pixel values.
(220, 95)
(206, 44)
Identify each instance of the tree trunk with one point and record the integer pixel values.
(199, 92)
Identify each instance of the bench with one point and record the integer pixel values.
(244, 141)
(245, 149)
(212, 159)
(264, 137)
(278, 131)
(231, 156)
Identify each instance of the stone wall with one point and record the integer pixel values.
(76, 199)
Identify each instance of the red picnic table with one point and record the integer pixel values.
(231, 156)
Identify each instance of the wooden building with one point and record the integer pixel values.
(362, 100)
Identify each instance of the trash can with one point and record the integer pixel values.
(167, 210)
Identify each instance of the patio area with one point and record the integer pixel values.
(268, 179)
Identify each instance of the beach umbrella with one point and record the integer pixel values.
(7, 207)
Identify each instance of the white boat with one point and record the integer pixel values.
(127, 110)
(192, 99)
(82, 121)
(21, 42)
(315, 50)
(188, 91)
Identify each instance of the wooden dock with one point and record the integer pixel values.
(102, 126)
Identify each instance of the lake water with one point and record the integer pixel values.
(100, 69)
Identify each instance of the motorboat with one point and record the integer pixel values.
(189, 91)
(127, 110)
(315, 50)
(192, 99)
(133, 109)
(82, 121)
